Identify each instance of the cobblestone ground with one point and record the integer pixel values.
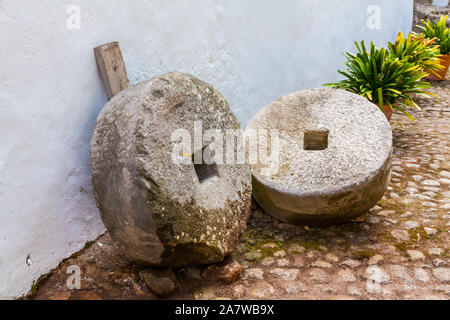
(399, 250)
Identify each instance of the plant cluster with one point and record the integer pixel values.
(417, 50)
(382, 78)
(392, 77)
(438, 32)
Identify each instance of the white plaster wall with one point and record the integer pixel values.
(253, 51)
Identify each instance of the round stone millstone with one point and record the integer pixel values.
(161, 212)
(334, 159)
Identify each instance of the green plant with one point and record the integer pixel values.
(384, 80)
(417, 50)
(438, 32)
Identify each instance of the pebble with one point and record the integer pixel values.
(430, 194)
(321, 264)
(298, 262)
(439, 263)
(401, 235)
(268, 261)
(252, 256)
(411, 190)
(318, 275)
(432, 189)
(294, 288)
(162, 282)
(431, 231)
(407, 215)
(285, 274)
(376, 259)
(415, 255)
(262, 290)
(331, 257)
(353, 291)
(375, 277)
(401, 273)
(373, 220)
(227, 271)
(408, 225)
(421, 275)
(442, 274)
(429, 204)
(431, 183)
(375, 209)
(280, 254)
(386, 213)
(442, 289)
(270, 246)
(239, 291)
(346, 276)
(435, 251)
(329, 290)
(295, 248)
(376, 274)
(283, 262)
(351, 263)
(445, 174)
(391, 221)
(253, 273)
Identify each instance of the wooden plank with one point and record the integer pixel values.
(112, 68)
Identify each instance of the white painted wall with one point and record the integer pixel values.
(253, 51)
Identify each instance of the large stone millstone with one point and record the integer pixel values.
(335, 157)
(163, 213)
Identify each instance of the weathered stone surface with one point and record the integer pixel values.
(262, 290)
(321, 180)
(227, 271)
(317, 275)
(285, 274)
(161, 212)
(294, 288)
(346, 276)
(351, 263)
(416, 255)
(442, 274)
(255, 273)
(162, 282)
(401, 235)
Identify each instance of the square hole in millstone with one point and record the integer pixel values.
(316, 139)
(203, 170)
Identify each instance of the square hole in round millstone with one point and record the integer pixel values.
(203, 170)
(316, 139)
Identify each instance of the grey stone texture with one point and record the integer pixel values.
(340, 182)
(160, 212)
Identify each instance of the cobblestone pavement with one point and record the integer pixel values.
(400, 250)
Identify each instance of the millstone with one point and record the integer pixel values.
(162, 212)
(335, 157)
